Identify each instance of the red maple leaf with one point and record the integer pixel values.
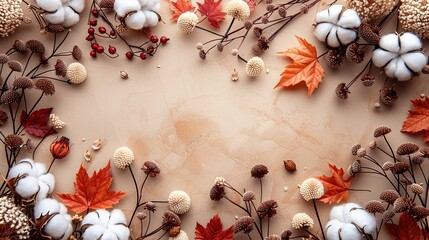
(337, 188)
(92, 192)
(36, 123)
(407, 229)
(180, 6)
(251, 4)
(213, 231)
(418, 118)
(213, 11)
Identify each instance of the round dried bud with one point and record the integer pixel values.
(76, 73)
(3, 118)
(367, 80)
(60, 68)
(389, 196)
(151, 168)
(9, 97)
(170, 220)
(282, 12)
(350, 171)
(303, 9)
(23, 82)
(243, 224)
(76, 53)
(425, 70)
(45, 85)
(238, 9)
(405, 181)
(248, 25)
(285, 235)
(270, 7)
(361, 152)
(387, 166)
(311, 189)
(417, 159)
(234, 52)
(179, 202)
(290, 165)
(418, 213)
(370, 33)
(108, 4)
(15, 66)
(123, 157)
(374, 206)
(13, 141)
(4, 58)
(249, 196)
(424, 152)
(219, 47)
(355, 148)
(202, 54)
(401, 204)
(199, 46)
(381, 130)
(264, 19)
(19, 46)
(333, 59)
(356, 166)
(217, 192)
(302, 220)
(254, 66)
(257, 32)
(372, 145)
(263, 42)
(388, 215)
(259, 171)
(187, 22)
(141, 216)
(55, 28)
(150, 206)
(342, 91)
(35, 46)
(407, 149)
(388, 96)
(354, 54)
(267, 208)
(399, 167)
(416, 188)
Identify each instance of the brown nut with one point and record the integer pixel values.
(290, 165)
(174, 231)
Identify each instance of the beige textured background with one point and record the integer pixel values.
(198, 124)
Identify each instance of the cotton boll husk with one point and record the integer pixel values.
(361, 218)
(350, 232)
(122, 7)
(122, 232)
(39, 169)
(57, 227)
(332, 228)
(117, 217)
(390, 43)
(93, 232)
(381, 57)
(332, 39)
(70, 17)
(346, 36)
(77, 5)
(49, 5)
(56, 17)
(136, 20)
(409, 42)
(348, 19)
(416, 61)
(334, 13)
(402, 73)
(21, 169)
(151, 18)
(322, 30)
(49, 180)
(27, 187)
(337, 213)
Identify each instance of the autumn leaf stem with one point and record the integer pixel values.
(318, 219)
(359, 190)
(323, 54)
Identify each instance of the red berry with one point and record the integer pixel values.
(143, 55)
(91, 31)
(93, 54)
(150, 49)
(154, 39)
(94, 13)
(112, 33)
(94, 46)
(129, 55)
(89, 38)
(164, 39)
(112, 50)
(93, 22)
(102, 30)
(100, 49)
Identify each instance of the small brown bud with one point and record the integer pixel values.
(290, 165)
(248, 25)
(282, 12)
(219, 47)
(388, 96)
(257, 32)
(367, 80)
(342, 91)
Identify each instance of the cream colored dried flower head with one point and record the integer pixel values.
(13, 221)
(414, 17)
(371, 9)
(254, 66)
(179, 202)
(56, 122)
(76, 73)
(302, 220)
(311, 189)
(181, 236)
(220, 181)
(123, 157)
(11, 16)
(187, 21)
(238, 9)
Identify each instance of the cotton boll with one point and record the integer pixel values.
(122, 7)
(361, 218)
(143, 2)
(56, 227)
(322, 16)
(322, 30)
(390, 42)
(104, 217)
(108, 235)
(401, 72)
(24, 167)
(92, 219)
(152, 5)
(77, 5)
(136, 20)
(390, 68)
(117, 217)
(104, 225)
(334, 13)
(380, 57)
(49, 180)
(49, 5)
(332, 39)
(39, 169)
(337, 213)
(46, 206)
(416, 61)
(350, 232)
(27, 187)
(349, 19)
(93, 232)
(43, 191)
(332, 229)
(70, 17)
(409, 42)
(56, 17)
(120, 231)
(346, 36)
(151, 19)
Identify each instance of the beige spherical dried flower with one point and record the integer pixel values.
(151, 168)
(381, 130)
(13, 141)
(9, 97)
(181, 236)
(45, 85)
(374, 206)
(311, 189)
(57, 123)
(249, 196)
(259, 171)
(123, 157)
(267, 208)
(23, 83)
(187, 22)
(407, 149)
(243, 224)
(399, 167)
(414, 16)
(238, 9)
(35, 46)
(370, 10)
(302, 220)
(15, 66)
(416, 188)
(14, 223)
(11, 16)
(355, 148)
(60, 68)
(179, 202)
(76, 73)
(402, 204)
(254, 66)
(220, 181)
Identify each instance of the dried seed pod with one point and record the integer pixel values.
(96, 145)
(4, 58)
(388, 96)
(407, 149)
(370, 33)
(387, 166)
(257, 32)
(77, 53)
(361, 152)
(15, 66)
(381, 131)
(3, 118)
(402, 204)
(87, 156)
(282, 12)
(356, 166)
(388, 215)
(342, 91)
(234, 75)
(55, 28)
(248, 25)
(418, 213)
(354, 54)
(9, 97)
(108, 4)
(19, 46)
(290, 165)
(416, 188)
(374, 206)
(123, 74)
(389, 196)
(400, 167)
(372, 145)
(333, 59)
(367, 80)
(355, 148)
(35, 46)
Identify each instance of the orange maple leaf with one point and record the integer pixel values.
(418, 118)
(213, 11)
(337, 188)
(92, 192)
(180, 6)
(305, 67)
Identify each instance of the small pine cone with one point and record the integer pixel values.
(370, 33)
(219, 47)
(13, 141)
(333, 59)
(3, 118)
(367, 80)
(35, 46)
(264, 19)
(416, 188)
(381, 130)
(402, 204)
(270, 7)
(407, 149)
(425, 70)
(108, 4)
(282, 12)
(55, 28)
(257, 32)
(418, 213)
(304, 8)
(248, 25)
(374, 206)
(202, 54)
(15, 66)
(399, 167)
(9, 97)
(372, 145)
(257, 50)
(361, 152)
(355, 148)
(342, 91)
(418, 160)
(19, 46)
(389, 196)
(60, 68)
(388, 215)
(354, 54)
(4, 58)
(387, 166)
(77, 53)
(388, 96)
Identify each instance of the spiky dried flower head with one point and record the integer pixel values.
(9, 97)
(13, 141)
(389, 196)
(302, 220)
(388, 96)
(151, 168)
(248, 25)
(187, 22)
(342, 91)
(285, 235)
(11, 16)
(45, 85)
(257, 32)
(3, 118)
(77, 53)
(150, 206)
(249, 196)
(14, 223)
(311, 189)
(23, 83)
(170, 220)
(267, 208)
(367, 80)
(238, 9)
(243, 224)
(334, 59)
(354, 54)
(402, 204)
(55, 28)
(15, 66)
(418, 213)
(217, 192)
(399, 167)
(60, 68)
(374, 206)
(4, 58)
(355, 148)
(416, 188)
(407, 149)
(381, 130)
(361, 152)
(76, 73)
(259, 171)
(388, 215)
(35, 46)
(414, 17)
(257, 50)
(179, 202)
(123, 157)
(370, 10)
(19, 46)
(254, 66)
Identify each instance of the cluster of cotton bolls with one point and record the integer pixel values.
(63, 12)
(138, 14)
(105, 225)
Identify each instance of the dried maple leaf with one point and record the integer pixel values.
(407, 229)
(213, 231)
(337, 188)
(180, 6)
(92, 192)
(213, 11)
(418, 118)
(36, 123)
(305, 67)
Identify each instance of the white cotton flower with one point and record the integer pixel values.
(64, 12)
(337, 27)
(344, 220)
(138, 13)
(59, 226)
(104, 225)
(400, 55)
(32, 179)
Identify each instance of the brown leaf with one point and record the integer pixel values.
(407, 229)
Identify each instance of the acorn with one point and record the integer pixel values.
(290, 165)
